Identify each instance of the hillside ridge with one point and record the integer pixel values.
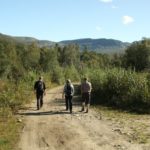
(99, 45)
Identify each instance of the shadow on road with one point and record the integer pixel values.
(45, 113)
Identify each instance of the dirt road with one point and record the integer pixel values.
(53, 128)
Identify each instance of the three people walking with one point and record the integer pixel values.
(68, 92)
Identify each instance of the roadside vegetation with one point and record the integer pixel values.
(122, 89)
(120, 81)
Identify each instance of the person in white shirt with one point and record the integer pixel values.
(86, 88)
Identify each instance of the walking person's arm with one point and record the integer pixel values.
(72, 90)
(35, 86)
(63, 93)
(90, 87)
(44, 87)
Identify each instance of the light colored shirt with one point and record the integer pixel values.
(86, 87)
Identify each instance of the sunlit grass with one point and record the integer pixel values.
(9, 130)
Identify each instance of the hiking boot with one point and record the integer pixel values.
(87, 111)
(82, 110)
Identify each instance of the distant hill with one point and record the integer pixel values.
(6, 37)
(29, 40)
(25, 39)
(99, 45)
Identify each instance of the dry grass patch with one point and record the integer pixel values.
(134, 127)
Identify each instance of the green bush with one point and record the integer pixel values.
(56, 75)
(71, 73)
(14, 96)
(121, 88)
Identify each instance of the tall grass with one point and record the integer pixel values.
(121, 88)
(9, 129)
(13, 95)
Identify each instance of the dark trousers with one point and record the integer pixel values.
(86, 98)
(68, 102)
(39, 97)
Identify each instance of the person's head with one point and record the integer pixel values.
(68, 81)
(40, 78)
(85, 79)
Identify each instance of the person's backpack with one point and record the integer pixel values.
(40, 86)
(68, 89)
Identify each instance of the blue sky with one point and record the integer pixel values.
(56, 20)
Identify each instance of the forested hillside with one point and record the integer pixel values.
(99, 45)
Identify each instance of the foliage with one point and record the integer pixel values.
(9, 126)
(121, 88)
(71, 73)
(137, 56)
(57, 75)
(93, 59)
(12, 96)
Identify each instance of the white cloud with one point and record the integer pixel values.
(127, 20)
(114, 7)
(106, 1)
(98, 28)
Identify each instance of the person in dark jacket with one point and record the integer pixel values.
(39, 88)
(68, 91)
